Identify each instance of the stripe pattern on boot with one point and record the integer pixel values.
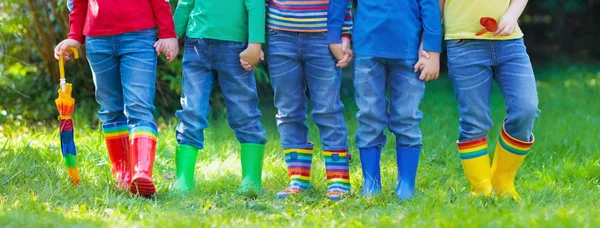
(513, 145)
(473, 149)
(115, 130)
(338, 173)
(298, 163)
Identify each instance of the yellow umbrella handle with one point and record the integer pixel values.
(61, 66)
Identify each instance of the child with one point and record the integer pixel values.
(120, 49)
(387, 35)
(217, 34)
(473, 63)
(298, 57)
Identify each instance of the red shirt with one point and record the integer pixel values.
(112, 17)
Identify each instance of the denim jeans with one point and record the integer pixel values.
(297, 61)
(124, 71)
(473, 66)
(207, 62)
(372, 75)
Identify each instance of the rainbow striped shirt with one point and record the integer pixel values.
(303, 15)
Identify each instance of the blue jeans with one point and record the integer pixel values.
(205, 63)
(473, 66)
(124, 71)
(372, 75)
(297, 61)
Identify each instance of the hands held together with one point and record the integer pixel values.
(251, 56)
(169, 47)
(428, 64)
(342, 52)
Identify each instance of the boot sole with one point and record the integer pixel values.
(143, 186)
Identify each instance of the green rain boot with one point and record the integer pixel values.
(185, 158)
(252, 161)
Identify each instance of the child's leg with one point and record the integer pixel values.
(324, 80)
(515, 76)
(406, 93)
(470, 69)
(370, 77)
(109, 94)
(287, 79)
(197, 83)
(241, 101)
(138, 77)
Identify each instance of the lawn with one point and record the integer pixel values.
(559, 181)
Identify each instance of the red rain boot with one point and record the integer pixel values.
(143, 151)
(117, 143)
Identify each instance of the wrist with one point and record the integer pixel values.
(254, 45)
(511, 16)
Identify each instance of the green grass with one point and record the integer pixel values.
(559, 181)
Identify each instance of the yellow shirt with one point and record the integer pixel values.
(461, 19)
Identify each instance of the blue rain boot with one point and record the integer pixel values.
(407, 160)
(369, 160)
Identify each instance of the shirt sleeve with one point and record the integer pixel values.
(163, 18)
(77, 20)
(348, 24)
(182, 16)
(336, 15)
(256, 20)
(432, 25)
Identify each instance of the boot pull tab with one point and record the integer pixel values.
(335, 157)
(294, 155)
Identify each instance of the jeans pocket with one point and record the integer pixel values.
(191, 41)
(455, 43)
(239, 45)
(271, 31)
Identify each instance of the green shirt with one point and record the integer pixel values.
(230, 20)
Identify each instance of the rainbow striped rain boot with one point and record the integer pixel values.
(476, 164)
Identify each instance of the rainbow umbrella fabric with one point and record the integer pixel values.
(65, 105)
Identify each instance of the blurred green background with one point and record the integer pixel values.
(558, 33)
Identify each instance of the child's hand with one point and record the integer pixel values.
(169, 47)
(252, 55)
(422, 54)
(247, 66)
(342, 52)
(61, 48)
(430, 68)
(508, 24)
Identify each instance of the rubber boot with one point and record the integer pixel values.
(407, 160)
(143, 151)
(116, 136)
(509, 155)
(185, 159)
(298, 162)
(476, 165)
(337, 166)
(252, 161)
(370, 162)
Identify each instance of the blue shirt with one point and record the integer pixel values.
(389, 28)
